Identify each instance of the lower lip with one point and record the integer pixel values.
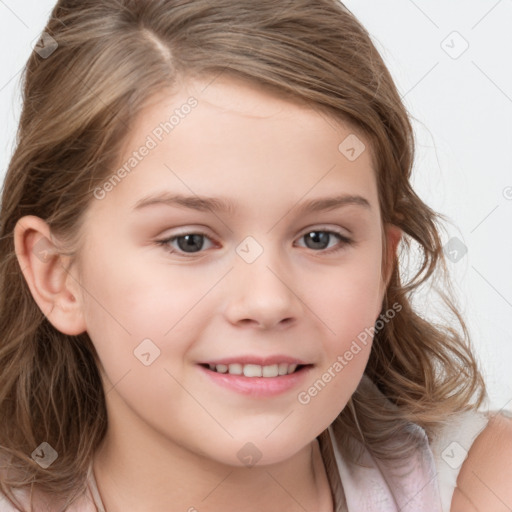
(258, 386)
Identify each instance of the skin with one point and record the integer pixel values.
(483, 483)
(167, 421)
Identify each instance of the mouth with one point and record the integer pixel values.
(256, 370)
(257, 376)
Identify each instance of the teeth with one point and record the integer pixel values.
(254, 370)
(271, 371)
(236, 369)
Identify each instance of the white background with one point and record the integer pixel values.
(462, 115)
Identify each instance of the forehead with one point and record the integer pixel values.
(230, 132)
(231, 97)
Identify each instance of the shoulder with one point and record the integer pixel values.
(7, 506)
(35, 500)
(484, 480)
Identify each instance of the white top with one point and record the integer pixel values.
(450, 449)
(423, 483)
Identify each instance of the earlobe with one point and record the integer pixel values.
(53, 288)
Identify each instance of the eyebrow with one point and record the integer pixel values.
(220, 204)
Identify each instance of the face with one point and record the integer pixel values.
(177, 292)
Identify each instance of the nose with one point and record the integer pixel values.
(262, 294)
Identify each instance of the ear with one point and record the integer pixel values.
(393, 236)
(55, 290)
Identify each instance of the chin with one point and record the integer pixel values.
(258, 451)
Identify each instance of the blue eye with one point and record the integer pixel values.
(187, 242)
(193, 242)
(318, 238)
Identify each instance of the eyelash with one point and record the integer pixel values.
(343, 239)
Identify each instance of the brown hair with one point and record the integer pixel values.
(78, 105)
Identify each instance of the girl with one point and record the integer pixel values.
(278, 363)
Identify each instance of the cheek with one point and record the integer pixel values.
(348, 303)
(347, 298)
(130, 310)
(348, 310)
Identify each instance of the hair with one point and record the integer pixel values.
(78, 106)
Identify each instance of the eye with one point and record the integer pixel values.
(193, 242)
(319, 239)
(188, 243)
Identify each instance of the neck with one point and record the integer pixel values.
(141, 476)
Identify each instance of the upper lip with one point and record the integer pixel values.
(259, 360)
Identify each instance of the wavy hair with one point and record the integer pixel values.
(78, 105)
